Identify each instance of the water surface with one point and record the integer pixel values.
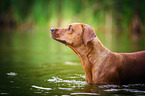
(31, 63)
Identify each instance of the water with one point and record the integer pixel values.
(32, 64)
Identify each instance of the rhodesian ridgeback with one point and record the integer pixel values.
(99, 63)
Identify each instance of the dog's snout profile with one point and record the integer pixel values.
(99, 63)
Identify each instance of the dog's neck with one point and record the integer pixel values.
(92, 54)
(86, 52)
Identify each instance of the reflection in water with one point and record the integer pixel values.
(3, 93)
(71, 63)
(115, 89)
(41, 87)
(84, 94)
(12, 74)
(70, 82)
(32, 63)
(92, 89)
(65, 88)
(129, 90)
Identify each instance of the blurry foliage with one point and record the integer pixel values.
(125, 18)
(61, 12)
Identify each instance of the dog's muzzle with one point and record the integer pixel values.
(53, 35)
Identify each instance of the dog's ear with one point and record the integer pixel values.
(88, 34)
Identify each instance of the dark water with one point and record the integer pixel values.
(32, 64)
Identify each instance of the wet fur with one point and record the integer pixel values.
(99, 63)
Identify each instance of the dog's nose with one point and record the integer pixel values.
(52, 30)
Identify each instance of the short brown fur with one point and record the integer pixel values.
(99, 63)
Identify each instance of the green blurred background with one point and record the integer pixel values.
(98, 13)
(124, 18)
(29, 57)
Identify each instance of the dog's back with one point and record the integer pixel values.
(133, 67)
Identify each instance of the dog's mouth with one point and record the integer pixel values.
(62, 41)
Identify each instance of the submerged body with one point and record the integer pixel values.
(99, 63)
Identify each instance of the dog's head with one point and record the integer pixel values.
(73, 35)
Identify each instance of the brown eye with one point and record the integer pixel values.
(69, 29)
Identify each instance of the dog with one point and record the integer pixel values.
(101, 66)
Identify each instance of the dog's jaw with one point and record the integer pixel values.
(62, 41)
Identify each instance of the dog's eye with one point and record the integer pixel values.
(69, 29)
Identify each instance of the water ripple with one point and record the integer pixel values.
(58, 80)
(41, 87)
(129, 90)
(12, 74)
(84, 94)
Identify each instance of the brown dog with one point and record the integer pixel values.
(100, 64)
